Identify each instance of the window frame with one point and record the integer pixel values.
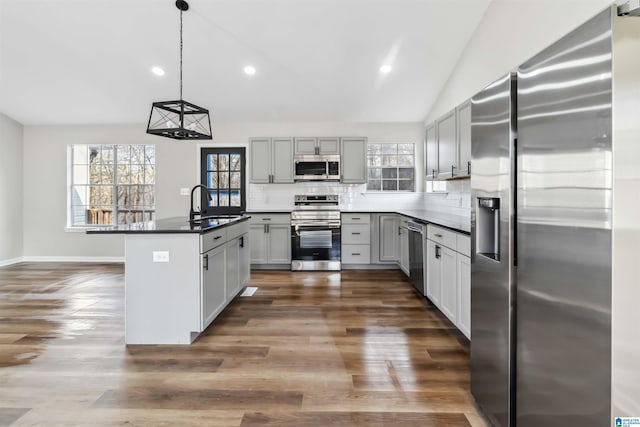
(71, 164)
(397, 168)
(204, 202)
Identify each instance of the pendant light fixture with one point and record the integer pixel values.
(179, 119)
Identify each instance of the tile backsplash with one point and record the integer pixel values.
(456, 200)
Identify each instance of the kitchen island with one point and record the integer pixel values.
(180, 274)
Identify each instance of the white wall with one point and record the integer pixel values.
(11, 242)
(177, 165)
(510, 32)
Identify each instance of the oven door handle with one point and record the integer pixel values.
(315, 225)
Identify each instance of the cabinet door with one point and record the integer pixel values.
(404, 250)
(279, 244)
(329, 146)
(260, 166)
(245, 259)
(446, 135)
(449, 299)
(258, 248)
(282, 161)
(305, 146)
(434, 272)
(389, 236)
(233, 268)
(431, 152)
(214, 272)
(464, 294)
(464, 139)
(353, 161)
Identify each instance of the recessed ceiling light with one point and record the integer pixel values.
(249, 70)
(157, 71)
(385, 69)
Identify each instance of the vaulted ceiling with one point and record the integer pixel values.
(89, 61)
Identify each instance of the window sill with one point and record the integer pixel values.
(79, 229)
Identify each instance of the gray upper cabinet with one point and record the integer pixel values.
(353, 161)
(306, 146)
(329, 146)
(317, 146)
(431, 152)
(447, 153)
(282, 160)
(271, 160)
(463, 112)
(260, 165)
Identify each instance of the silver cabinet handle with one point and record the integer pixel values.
(217, 237)
(264, 228)
(354, 218)
(356, 254)
(469, 167)
(266, 219)
(438, 252)
(242, 241)
(355, 233)
(452, 173)
(206, 262)
(438, 235)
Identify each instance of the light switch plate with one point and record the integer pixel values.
(184, 191)
(160, 256)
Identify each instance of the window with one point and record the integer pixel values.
(223, 173)
(391, 167)
(111, 184)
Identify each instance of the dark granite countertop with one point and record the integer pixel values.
(453, 222)
(171, 226)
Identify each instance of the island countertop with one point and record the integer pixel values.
(171, 225)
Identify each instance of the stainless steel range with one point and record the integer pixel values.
(315, 233)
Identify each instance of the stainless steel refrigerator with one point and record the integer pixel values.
(555, 191)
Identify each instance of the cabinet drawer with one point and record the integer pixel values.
(356, 218)
(213, 239)
(356, 254)
(284, 219)
(463, 244)
(355, 234)
(443, 236)
(236, 230)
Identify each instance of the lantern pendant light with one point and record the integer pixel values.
(179, 119)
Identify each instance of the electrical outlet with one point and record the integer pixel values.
(184, 191)
(160, 256)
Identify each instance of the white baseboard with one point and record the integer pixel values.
(96, 259)
(5, 262)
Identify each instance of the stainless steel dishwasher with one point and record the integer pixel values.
(416, 260)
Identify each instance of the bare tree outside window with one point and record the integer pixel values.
(391, 167)
(111, 184)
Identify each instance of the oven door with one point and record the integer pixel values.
(314, 242)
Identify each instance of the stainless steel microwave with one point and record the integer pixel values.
(317, 168)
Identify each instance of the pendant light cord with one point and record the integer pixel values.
(180, 54)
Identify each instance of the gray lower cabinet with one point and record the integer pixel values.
(215, 276)
(434, 272)
(270, 236)
(353, 160)
(356, 238)
(388, 238)
(403, 245)
(271, 160)
(448, 275)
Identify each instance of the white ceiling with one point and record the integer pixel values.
(89, 61)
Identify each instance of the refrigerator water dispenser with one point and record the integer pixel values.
(488, 227)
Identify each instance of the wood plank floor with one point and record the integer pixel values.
(308, 349)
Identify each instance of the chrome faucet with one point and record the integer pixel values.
(192, 213)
